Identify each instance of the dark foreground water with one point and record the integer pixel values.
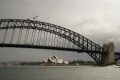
(60, 73)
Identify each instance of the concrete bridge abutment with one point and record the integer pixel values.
(109, 53)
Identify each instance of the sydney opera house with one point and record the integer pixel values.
(55, 59)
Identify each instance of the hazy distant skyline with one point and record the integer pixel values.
(98, 20)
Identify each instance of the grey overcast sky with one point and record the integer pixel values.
(98, 20)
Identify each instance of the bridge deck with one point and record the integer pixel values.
(46, 47)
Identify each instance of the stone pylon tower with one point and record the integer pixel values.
(109, 53)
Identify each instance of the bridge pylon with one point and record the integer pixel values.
(109, 53)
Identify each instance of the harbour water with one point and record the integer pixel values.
(60, 73)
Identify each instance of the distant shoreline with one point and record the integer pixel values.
(48, 66)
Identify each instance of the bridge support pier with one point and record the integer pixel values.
(109, 54)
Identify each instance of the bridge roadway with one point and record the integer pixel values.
(47, 47)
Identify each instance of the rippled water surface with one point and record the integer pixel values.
(60, 73)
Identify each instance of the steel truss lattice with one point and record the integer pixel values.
(62, 37)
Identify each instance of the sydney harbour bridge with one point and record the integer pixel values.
(21, 33)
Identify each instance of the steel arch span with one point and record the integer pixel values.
(36, 34)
